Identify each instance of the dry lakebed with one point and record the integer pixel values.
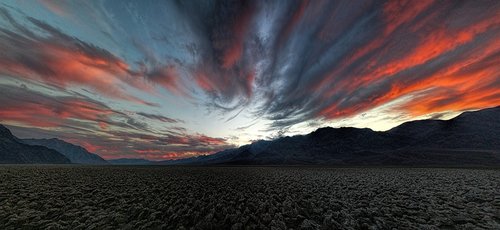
(161, 197)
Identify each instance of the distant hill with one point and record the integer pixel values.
(76, 154)
(130, 161)
(472, 138)
(14, 152)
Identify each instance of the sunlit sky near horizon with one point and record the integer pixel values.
(174, 79)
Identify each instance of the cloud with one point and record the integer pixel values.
(159, 117)
(57, 7)
(36, 109)
(59, 59)
(388, 51)
(224, 69)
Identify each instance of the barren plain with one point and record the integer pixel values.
(133, 197)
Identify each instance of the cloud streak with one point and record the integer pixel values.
(159, 117)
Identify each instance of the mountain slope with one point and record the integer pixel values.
(471, 138)
(130, 161)
(14, 152)
(74, 153)
(469, 130)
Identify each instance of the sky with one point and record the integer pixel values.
(173, 79)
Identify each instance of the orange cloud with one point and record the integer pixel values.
(469, 83)
(434, 44)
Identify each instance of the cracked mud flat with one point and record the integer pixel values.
(80, 197)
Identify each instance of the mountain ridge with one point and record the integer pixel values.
(76, 154)
(130, 161)
(471, 138)
(14, 152)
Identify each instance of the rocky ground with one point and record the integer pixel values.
(109, 197)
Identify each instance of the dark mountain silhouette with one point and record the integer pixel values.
(12, 151)
(130, 161)
(76, 154)
(472, 138)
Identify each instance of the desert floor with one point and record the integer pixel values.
(133, 197)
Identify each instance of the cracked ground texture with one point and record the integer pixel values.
(133, 197)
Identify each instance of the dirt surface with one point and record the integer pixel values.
(80, 197)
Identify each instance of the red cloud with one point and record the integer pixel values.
(168, 77)
(65, 61)
(470, 83)
(204, 81)
(436, 43)
(35, 109)
(233, 54)
(66, 66)
(397, 13)
(158, 155)
(88, 146)
(431, 45)
(41, 115)
(210, 140)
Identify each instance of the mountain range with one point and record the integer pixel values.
(472, 138)
(13, 151)
(131, 161)
(76, 154)
(43, 151)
